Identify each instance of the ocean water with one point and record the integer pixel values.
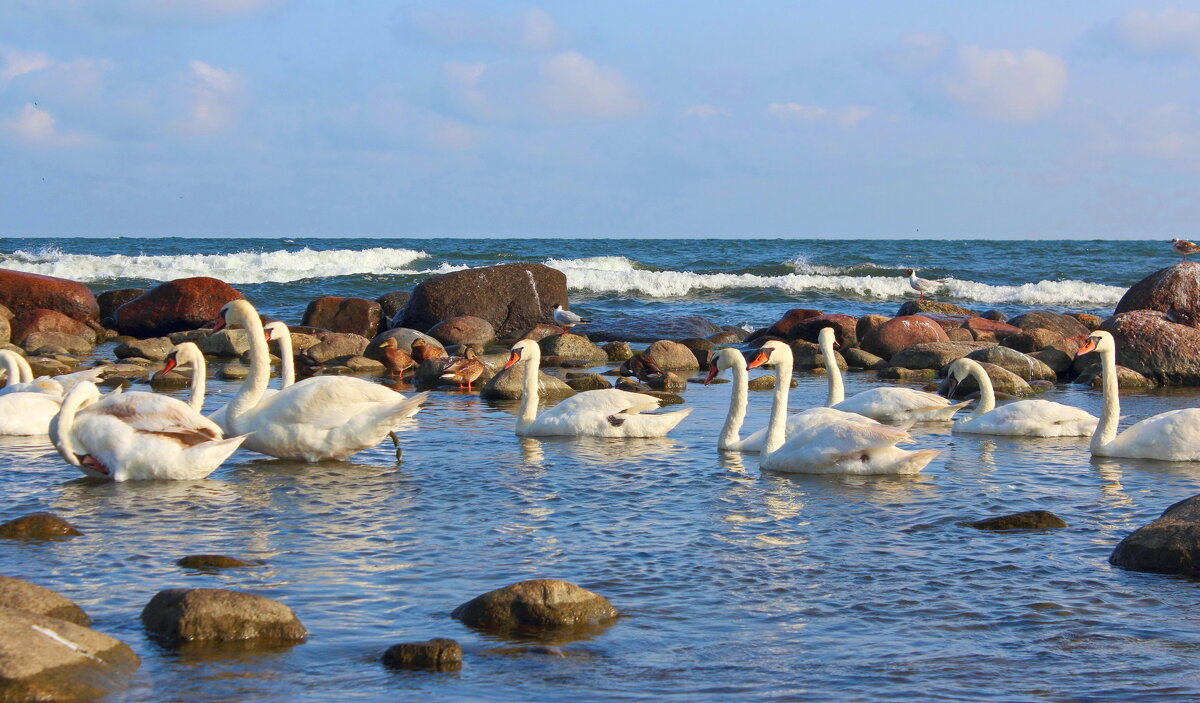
(733, 583)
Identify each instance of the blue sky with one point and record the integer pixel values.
(708, 119)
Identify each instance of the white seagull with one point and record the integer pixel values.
(567, 319)
(1183, 247)
(921, 285)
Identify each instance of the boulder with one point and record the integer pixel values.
(29, 597)
(44, 658)
(20, 291)
(618, 351)
(899, 373)
(1168, 545)
(226, 343)
(1092, 322)
(934, 355)
(110, 300)
(534, 606)
(463, 330)
(650, 328)
(48, 366)
(670, 355)
(859, 359)
(701, 348)
(1065, 325)
(204, 562)
(572, 346)
(1127, 380)
(668, 382)
(404, 338)
(1022, 365)
(587, 381)
(1058, 360)
(986, 330)
(439, 654)
(509, 296)
(918, 307)
(995, 315)
(337, 345)
(1176, 286)
(362, 366)
(5, 326)
(153, 348)
(507, 385)
(539, 332)
(729, 334)
(392, 303)
(182, 304)
(1032, 340)
(1003, 381)
(49, 321)
(766, 382)
(900, 333)
(807, 356)
(1028, 520)
(350, 315)
(38, 526)
(1155, 347)
(219, 615)
(784, 324)
(844, 328)
(50, 343)
(948, 322)
(958, 334)
(866, 323)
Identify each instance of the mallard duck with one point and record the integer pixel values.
(396, 359)
(641, 366)
(463, 370)
(423, 351)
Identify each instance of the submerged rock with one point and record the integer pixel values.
(44, 658)
(1168, 545)
(536, 605)
(38, 526)
(213, 561)
(650, 328)
(1028, 520)
(32, 598)
(439, 654)
(219, 615)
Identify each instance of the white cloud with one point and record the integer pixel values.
(916, 52)
(1016, 87)
(533, 30)
(703, 112)
(1165, 31)
(34, 126)
(465, 79)
(14, 62)
(573, 84)
(846, 117)
(214, 94)
(453, 134)
(538, 30)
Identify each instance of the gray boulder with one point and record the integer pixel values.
(219, 615)
(1023, 365)
(35, 665)
(536, 605)
(1168, 545)
(32, 598)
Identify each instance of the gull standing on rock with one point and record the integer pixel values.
(567, 319)
(921, 285)
(1183, 247)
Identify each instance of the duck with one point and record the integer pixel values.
(889, 404)
(137, 436)
(566, 319)
(1170, 436)
(830, 445)
(317, 419)
(396, 359)
(729, 439)
(464, 370)
(1021, 418)
(607, 412)
(641, 366)
(423, 351)
(921, 285)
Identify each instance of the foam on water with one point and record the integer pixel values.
(237, 268)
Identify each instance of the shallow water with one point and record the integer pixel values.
(733, 584)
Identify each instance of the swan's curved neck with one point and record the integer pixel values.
(12, 370)
(532, 358)
(199, 373)
(1106, 429)
(837, 392)
(987, 394)
(737, 405)
(252, 388)
(777, 426)
(63, 425)
(287, 360)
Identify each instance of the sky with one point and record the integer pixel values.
(305, 118)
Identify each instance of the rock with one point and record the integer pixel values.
(509, 296)
(129, 370)
(1065, 325)
(866, 323)
(226, 343)
(618, 351)
(1176, 286)
(1168, 545)
(110, 300)
(182, 304)
(986, 330)
(859, 359)
(41, 320)
(1028, 520)
(169, 381)
(56, 343)
(995, 315)
(807, 356)
(1127, 380)
(729, 334)
(27, 597)
(362, 366)
(669, 382)
(784, 324)
(917, 307)
(338, 345)
(349, 315)
(1041, 386)
(507, 385)
(392, 303)
(47, 366)
(572, 346)
(631, 385)
(213, 561)
(947, 322)
(934, 355)
(463, 330)
(766, 382)
(36, 665)
(1023, 365)
(439, 654)
(1036, 339)
(587, 381)
(650, 328)
(234, 372)
(534, 606)
(844, 328)
(701, 348)
(899, 373)
(1155, 347)
(38, 526)
(20, 291)
(219, 615)
(670, 355)
(1003, 381)
(404, 338)
(1092, 322)
(5, 326)
(958, 334)
(1057, 360)
(900, 333)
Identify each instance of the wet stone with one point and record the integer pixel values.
(179, 615)
(32, 598)
(38, 526)
(213, 561)
(438, 654)
(1028, 520)
(536, 605)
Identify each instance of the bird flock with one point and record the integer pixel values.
(128, 435)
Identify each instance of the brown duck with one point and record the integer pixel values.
(464, 370)
(396, 359)
(422, 351)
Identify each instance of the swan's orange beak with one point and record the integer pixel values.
(220, 323)
(951, 386)
(759, 359)
(1088, 346)
(170, 364)
(712, 373)
(516, 356)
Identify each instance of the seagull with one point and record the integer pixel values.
(1183, 247)
(567, 319)
(921, 285)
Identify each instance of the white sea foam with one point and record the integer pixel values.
(238, 267)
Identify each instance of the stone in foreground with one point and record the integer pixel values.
(1169, 545)
(32, 598)
(536, 605)
(38, 526)
(439, 654)
(218, 615)
(47, 659)
(1028, 520)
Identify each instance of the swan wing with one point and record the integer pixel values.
(152, 413)
(830, 443)
(1032, 418)
(882, 402)
(322, 402)
(603, 402)
(1170, 436)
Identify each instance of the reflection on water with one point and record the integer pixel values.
(821, 587)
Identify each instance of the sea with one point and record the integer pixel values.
(733, 583)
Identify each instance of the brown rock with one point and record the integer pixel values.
(49, 321)
(36, 666)
(1168, 545)
(21, 291)
(900, 333)
(918, 307)
(807, 356)
(859, 359)
(866, 323)
(337, 345)
(669, 382)
(463, 330)
(1127, 380)
(1003, 381)
(1065, 325)
(1022, 365)
(587, 381)
(154, 349)
(38, 526)
(729, 334)
(899, 373)
(1054, 358)
(1092, 322)
(986, 330)
(536, 605)
(844, 329)
(670, 355)
(959, 334)
(784, 324)
(947, 322)
(350, 315)
(182, 304)
(110, 300)
(32, 598)
(219, 615)
(213, 561)
(1028, 520)
(572, 346)
(1176, 286)
(439, 654)
(618, 351)
(995, 315)
(5, 326)
(766, 382)
(509, 296)
(392, 303)
(934, 355)
(1156, 348)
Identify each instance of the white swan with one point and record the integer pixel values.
(890, 404)
(729, 439)
(607, 412)
(187, 354)
(1169, 436)
(1021, 418)
(131, 436)
(319, 418)
(830, 445)
(21, 380)
(278, 331)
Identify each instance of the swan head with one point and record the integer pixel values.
(1100, 341)
(958, 372)
(233, 311)
(771, 353)
(518, 351)
(727, 358)
(181, 355)
(828, 335)
(275, 330)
